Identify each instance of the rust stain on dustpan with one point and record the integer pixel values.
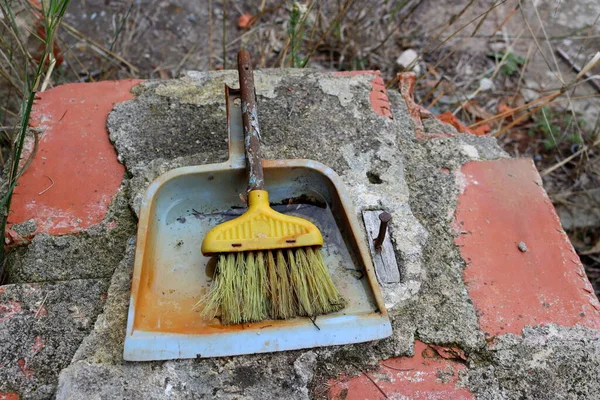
(169, 307)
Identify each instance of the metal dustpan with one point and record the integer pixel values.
(171, 274)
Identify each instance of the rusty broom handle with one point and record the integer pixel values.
(256, 179)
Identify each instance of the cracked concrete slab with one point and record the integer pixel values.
(550, 362)
(41, 327)
(328, 118)
(378, 146)
(104, 344)
(283, 375)
(93, 253)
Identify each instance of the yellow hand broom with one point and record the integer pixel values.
(269, 264)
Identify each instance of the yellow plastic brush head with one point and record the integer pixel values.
(261, 228)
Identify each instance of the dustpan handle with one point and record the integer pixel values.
(256, 179)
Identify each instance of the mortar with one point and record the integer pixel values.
(171, 274)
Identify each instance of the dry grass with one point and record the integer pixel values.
(38, 65)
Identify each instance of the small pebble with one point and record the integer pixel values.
(486, 84)
(407, 58)
(522, 246)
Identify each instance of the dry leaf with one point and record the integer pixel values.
(245, 21)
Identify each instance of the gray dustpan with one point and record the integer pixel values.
(171, 274)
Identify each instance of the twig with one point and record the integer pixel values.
(49, 72)
(431, 91)
(372, 381)
(376, 385)
(557, 73)
(224, 41)
(6, 110)
(6, 76)
(338, 16)
(585, 42)
(210, 35)
(482, 15)
(242, 37)
(48, 188)
(435, 100)
(10, 26)
(394, 80)
(283, 54)
(505, 114)
(120, 27)
(184, 59)
(504, 21)
(537, 13)
(577, 68)
(539, 47)
(398, 369)
(518, 120)
(116, 36)
(98, 47)
(407, 4)
(314, 322)
(566, 160)
(41, 306)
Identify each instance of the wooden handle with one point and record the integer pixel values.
(256, 180)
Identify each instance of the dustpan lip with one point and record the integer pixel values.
(333, 330)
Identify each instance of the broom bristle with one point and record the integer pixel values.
(277, 284)
(322, 287)
(263, 282)
(300, 284)
(254, 302)
(229, 288)
(286, 307)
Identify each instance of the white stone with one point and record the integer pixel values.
(485, 84)
(407, 58)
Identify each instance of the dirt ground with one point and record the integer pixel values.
(477, 60)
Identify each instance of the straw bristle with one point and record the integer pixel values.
(283, 308)
(277, 284)
(300, 284)
(263, 282)
(254, 300)
(323, 291)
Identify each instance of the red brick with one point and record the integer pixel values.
(503, 203)
(378, 97)
(406, 84)
(9, 396)
(9, 309)
(449, 118)
(427, 375)
(75, 173)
